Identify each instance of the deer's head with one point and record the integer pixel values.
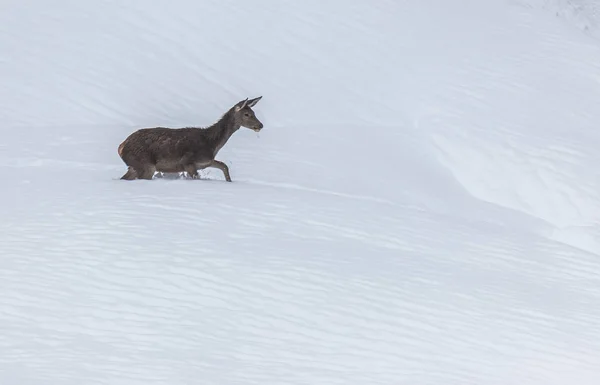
(245, 116)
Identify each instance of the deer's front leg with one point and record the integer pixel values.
(223, 167)
(192, 171)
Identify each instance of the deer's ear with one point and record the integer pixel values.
(242, 104)
(253, 102)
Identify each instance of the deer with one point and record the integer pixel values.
(187, 149)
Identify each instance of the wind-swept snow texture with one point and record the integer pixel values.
(584, 14)
(422, 206)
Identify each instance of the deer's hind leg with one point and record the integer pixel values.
(147, 172)
(131, 174)
(140, 166)
(144, 173)
(192, 171)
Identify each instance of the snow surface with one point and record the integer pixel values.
(422, 206)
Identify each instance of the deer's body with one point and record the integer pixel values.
(174, 150)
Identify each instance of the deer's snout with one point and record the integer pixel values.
(257, 127)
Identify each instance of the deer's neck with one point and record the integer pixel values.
(220, 132)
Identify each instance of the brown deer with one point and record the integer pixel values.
(189, 149)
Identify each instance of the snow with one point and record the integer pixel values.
(421, 207)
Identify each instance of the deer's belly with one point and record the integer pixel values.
(167, 165)
(201, 165)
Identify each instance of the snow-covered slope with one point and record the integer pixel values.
(422, 206)
(582, 14)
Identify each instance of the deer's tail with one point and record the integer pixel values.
(120, 149)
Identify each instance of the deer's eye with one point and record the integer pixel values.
(246, 114)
